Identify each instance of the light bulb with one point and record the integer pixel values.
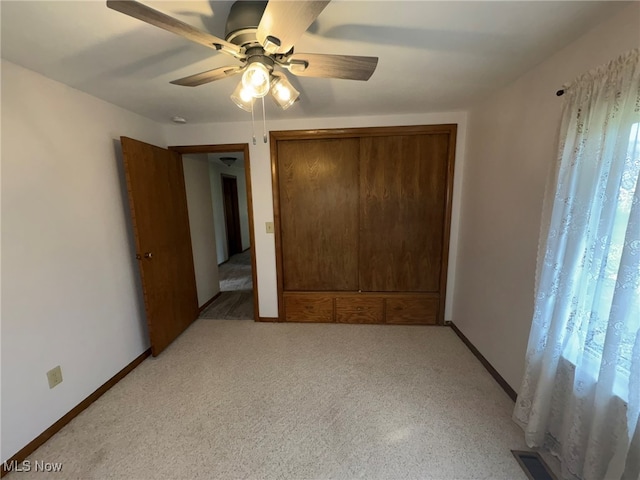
(245, 95)
(243, 98)
(256, 79)
(282, 91)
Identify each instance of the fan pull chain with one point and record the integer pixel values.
(264, 123)
(253, 124)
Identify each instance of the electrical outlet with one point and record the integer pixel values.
(269, 226)
(54, 376)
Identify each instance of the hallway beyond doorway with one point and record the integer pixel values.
(235, 274)
(236, 290)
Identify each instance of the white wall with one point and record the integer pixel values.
(511, 145)
(260, 164)
(242, 205)
(70, 288)
(203, 235)
(215, 169)
(217, 203)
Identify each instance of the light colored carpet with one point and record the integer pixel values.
(231, 400)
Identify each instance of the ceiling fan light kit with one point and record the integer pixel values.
(242, 98)
(282, 92)
(261, 36)
(256, 79)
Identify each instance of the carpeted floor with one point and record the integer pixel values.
(236, 291)
(246, 400)
(235, 274)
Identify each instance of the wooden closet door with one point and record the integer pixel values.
(402, 212)
(319, 206)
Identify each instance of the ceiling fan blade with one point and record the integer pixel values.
(208, 76)
(283, 23)
(154, 17)
(348, 67)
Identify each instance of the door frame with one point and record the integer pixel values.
(228, 148)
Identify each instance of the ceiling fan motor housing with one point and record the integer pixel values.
(242, 22)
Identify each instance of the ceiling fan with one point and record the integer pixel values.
(261, 35)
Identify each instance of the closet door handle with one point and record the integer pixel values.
(148, 255)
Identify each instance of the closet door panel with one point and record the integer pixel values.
(412, 310)
(402, 209)
(308, 307)
(359, 309)
(319, 206)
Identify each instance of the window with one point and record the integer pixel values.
(583, 359)
(597, 320)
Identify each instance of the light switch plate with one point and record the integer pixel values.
(269, 226)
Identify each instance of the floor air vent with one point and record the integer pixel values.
(533, 465)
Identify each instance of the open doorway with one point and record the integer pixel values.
(231, 214)
(229, 246)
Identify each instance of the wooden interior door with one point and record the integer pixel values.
(403, 185)
(318, 191)
(158, 204)
(231, 214)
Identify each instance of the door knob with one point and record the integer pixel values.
(148, 255)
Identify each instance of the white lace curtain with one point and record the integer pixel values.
(580, 395)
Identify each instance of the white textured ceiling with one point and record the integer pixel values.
(434, 56)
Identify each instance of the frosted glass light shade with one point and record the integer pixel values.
(256, 79)
(283, 92)
(242, 97)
